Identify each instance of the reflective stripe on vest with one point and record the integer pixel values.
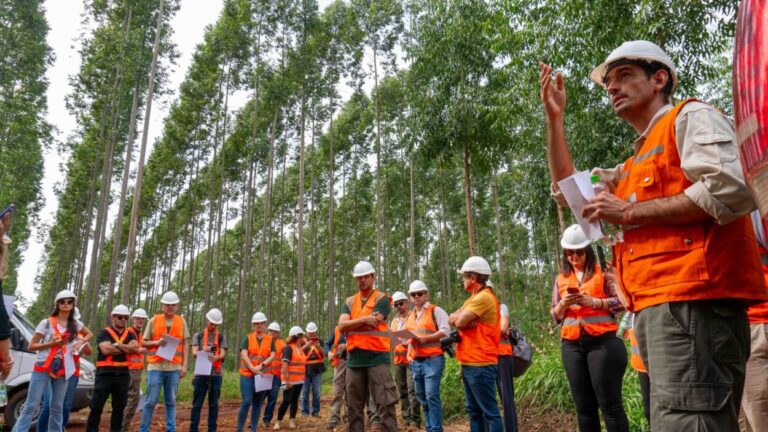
(400, 351)
(579, 319)
(257, 353)
(296, 367)
(136, 360)
(277, 362)
(634, 358)
(480, 345)
(425, 325)
(314, 356)
(659, 263)
(505, 347)
(108, 362)
(204, 343)
(372, 340)
(158, 330)
(46, 366)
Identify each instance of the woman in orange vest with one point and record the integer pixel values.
(256, 354)
(293, 374)
(53, 337)
(593, 357)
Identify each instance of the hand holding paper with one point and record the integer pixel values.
(168, 349)
(577, 190)
(203, 363)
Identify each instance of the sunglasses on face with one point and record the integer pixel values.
(398, 304)
(417, 294)
(121, 317)
(577, 252)
(66, 302)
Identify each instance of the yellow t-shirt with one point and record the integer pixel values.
(483, 306)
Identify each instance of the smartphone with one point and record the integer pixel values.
(600, 257)
(573, 290)
(10, 208)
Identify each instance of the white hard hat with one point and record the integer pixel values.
(311, 327)
(274, 326)
(476, 264)
(489, 284)
(170, 298)
(65, 294)
(214, 316)
(295, 331)
(139, 313)
(417, 286)
(77, 313)
(574, 238)
(121, 310)
(258, 317)
(363, 268)
(398, 296)
(634, 50)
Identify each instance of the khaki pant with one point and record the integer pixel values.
(133, 398)
(409, 405)
(339, 400)
(755, 403)
(376, 381)
(695, 352)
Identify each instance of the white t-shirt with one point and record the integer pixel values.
(46, 330)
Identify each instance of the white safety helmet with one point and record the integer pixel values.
(311, 328)
(121, 310)
(274, 326)
(64, 294)
(258, 317)
(476, 264)
(398, 296)
(170, 298)
(489, 284)
(139, 313)
(77, 313)
(295, 331)
(214, 316)
(574, 238)
(417, 286)
(363, 268)
(634, 50)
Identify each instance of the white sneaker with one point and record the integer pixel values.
(276, 426)
(291, 424)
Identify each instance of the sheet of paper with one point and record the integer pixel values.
(169, 350)
(69, 363)
(577, 190)
(8, 302)
(403, 334)
(141, 401)
(203, 363)
(263, 382)
(82, 348)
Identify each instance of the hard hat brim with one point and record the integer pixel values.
(581, 245)
(366, 273)
(599, 72)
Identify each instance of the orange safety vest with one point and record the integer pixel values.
(217, 363)
(277, 363)
(579, 319)
(400, 351)
(480, 345)
(371, 340)
(314, 355)
(109, 360)
(680, 262)
(335, 346)
(158, 330)
(505, 346)
(296, 367)
(634, 356)
(257, 353)
(424, 326)
(136, 360)
(46, 366)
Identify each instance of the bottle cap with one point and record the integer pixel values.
(594, 179)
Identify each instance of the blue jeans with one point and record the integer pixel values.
(252, 400)
(37, 385)
(426, 379)
(480, 393)
(269, 411)
(313, 383)
(210, 386)
(170, 383)
(42, 418)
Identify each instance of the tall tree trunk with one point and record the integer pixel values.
(266, 222)
(468, 200)
(412, 235)
(300, 272)
(499, 249)
(331, 250)
(378, 161)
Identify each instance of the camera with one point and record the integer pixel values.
(447, 342)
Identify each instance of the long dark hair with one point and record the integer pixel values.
(589, 264)
(71, 321)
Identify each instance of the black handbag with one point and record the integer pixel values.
(523, 351)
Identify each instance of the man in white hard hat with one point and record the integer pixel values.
(315, 366)
(684, 196)
(135, 367)
(257, 351)
(478, 348)
(276, 367)
(364, 319)
(213, 343)
(409, 405)
(161, 372)
(112, 377)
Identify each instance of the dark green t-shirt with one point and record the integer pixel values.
(360, 358)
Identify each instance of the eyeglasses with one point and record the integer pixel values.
(121, 317)
(66, 302)
(576, 252)
(418, 294)
(401, 303)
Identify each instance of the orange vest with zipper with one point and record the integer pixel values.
(586, 319)
(371, 340)
(257, 353)
(277, 363)
(480, 345)
(109, 360)
(400, 352)
(136, 360)
(296, 367)
(158, 330)
(680, 262)
(425, 325)
(634, 356)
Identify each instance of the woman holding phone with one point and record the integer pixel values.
(593, 357)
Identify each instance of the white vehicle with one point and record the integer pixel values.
(23, 361)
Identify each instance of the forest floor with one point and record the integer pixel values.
(534, 420)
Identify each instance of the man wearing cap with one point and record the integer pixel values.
(161, 372)
(364, 319)
(478, 321)
(257, 351)
(683, 205)
(215, 344)
(112, 377)
(313, 350)
(409, 405)
(275, 369)
(430, 324)
(135, 366)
